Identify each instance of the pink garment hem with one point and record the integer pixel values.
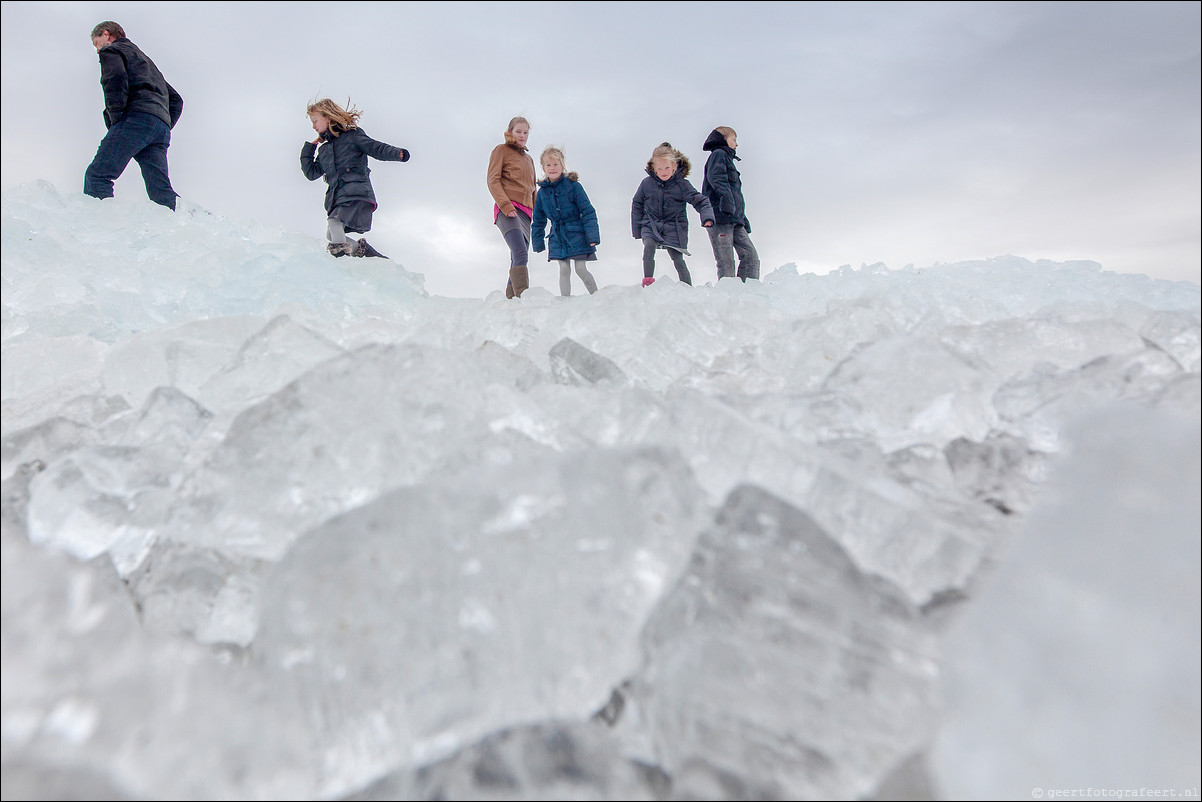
(496, 211)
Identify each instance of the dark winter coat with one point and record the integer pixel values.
(573, 219)
(659, 207)
(722, 183)
(342, 161)
(132, 83)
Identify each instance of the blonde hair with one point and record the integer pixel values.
(509, 140)
(340, 119)
(665, 152)
(557, 153)
(670, 154)
(726, 130)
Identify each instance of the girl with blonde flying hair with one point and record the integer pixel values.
(339, 155)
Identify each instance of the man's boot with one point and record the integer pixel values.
(519, 277)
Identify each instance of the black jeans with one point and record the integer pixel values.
(143, 138)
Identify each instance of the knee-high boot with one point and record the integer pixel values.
(519, 277)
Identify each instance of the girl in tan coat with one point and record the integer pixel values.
(511, 182)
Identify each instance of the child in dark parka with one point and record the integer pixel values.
(658, 212)
(339, 155)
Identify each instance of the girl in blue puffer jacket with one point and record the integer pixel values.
(562, 202)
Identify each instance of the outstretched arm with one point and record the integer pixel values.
(380, 150)
(702, 205)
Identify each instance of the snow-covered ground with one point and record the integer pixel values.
(280, 526)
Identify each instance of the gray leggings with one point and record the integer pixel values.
(565, 276)
(336, 231)
(649, 246)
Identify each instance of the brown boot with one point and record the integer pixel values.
(519, 277)
(509, 289)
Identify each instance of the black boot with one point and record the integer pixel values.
(364, 249)
(341, 249)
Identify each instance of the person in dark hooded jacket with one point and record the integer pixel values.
(341, 160)
(562, 202)
(140, 109)
(658, 211)
(724, 188)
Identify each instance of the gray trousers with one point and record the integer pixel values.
(516, 231)
(729, 239)
(565, 276)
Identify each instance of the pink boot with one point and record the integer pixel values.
(647, 282)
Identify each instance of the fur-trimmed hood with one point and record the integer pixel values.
(682, 164)
(572, 176)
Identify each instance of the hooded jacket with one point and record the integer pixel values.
(722, 183)
(342, 161)
(573, 219)
(659, 207)
(132, 83)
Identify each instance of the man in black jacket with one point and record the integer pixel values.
(140, 109)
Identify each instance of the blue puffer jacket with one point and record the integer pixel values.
(659, 207)
(573, 219)
(342, 161)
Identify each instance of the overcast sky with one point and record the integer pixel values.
(902, 133)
